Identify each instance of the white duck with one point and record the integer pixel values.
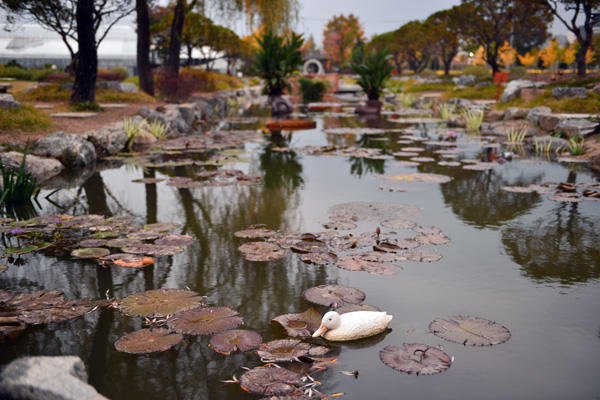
(353, 325)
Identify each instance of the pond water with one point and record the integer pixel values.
(526, 262)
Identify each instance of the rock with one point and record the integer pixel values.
(144, 139)
(128, 88)
(515, 113)
(464, 80)
(188, 112)
(152, 115)
(575, 128)
(47, 378)
(118, 86)
(503, 128)
(569, 92)
(534, 113)
(482, 84)
(41, 168)
(7, 102)
(548, 121)
(557, 143)
(529, 94)
(35, 86)
(514, 87)
(281, 105)
(457, 121)
(460, 103)
(107, 141)
(71, 150)
(493, 115)
(596, 89)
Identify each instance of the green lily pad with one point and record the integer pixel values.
(90, 252)
(160, 302)
(148, 341)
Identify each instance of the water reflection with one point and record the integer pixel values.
(561, 247)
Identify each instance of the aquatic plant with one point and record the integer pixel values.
(312, 89)
(406, 100)
(474, 119)
(445, 111)
(575, 146)
(416, 358)
(17, 185)
(276, 60)
(373, 69)
(472, 331)
(158, 130)
(132, 130)
(516, 136)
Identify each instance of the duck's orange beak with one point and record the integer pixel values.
(322, 329)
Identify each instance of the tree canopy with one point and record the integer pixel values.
(339, 37)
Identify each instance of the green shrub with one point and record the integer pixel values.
(518, 72)
(26, 119)
(133, 79)
(373, 69)
(481, 72)
(277, 59)
(121, 71)
(46, 93)
(23, 74)
(312, 89)
(87, 106)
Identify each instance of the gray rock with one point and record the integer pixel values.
(152, 115)
(493, 115)
(460, 103)
(107, 141)
(47, 378)
(596, 89)
(556, 143)
(513, 88)
(548, 121)
(71, 150)
(503, 128)
(535, 112)
(457, 121)
(118, 86)
(128, 88)
(482, 84)
(281, 105)
(515, 113)
(569, 92)
(464, 80)
(42, 169)
(575, 128)
(7, 102)
(188, 112)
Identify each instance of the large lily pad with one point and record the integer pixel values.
(160, 302)
(92, 243)
(319, 258)
(159, 250)
(309, 245)
(237, 339)
(300, 325)
(144, 235)
(161, 226)
(417, 177)
(205, 321)
(57, 312)
(90, 252)
(398, 224)
(471, 331)
(148, 341)
(334, 295)
(282, 350)
(416, 358)
(359, 263)
(432, 239)
(270, 380)
(255, 233)
(375, 211)
(175, 240)
(339, 225)
(422, 255)
(120, 243)
(261, 251)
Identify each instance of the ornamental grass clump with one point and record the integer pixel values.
(445, 111)
(17, 185)
(158, 130)
(132, 130)
(516, 136)
(575, 147)
(474, 119)
(373, 69)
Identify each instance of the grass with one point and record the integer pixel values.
(46, 93)
(588, 105)
(445, 111)
(17, 185)
(26, 119)
(541, 148)
(112, 95)
(406, 100)
(132, 130)
(474, 119)
(482, 93)
(575, 147)
(158, 130)
(411, 87)
(517, 136)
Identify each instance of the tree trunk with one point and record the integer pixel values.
(175, 39)
(581, 64)
(86, 70)
(143, 47)
(447, 64)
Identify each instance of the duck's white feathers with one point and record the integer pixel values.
(359, 324)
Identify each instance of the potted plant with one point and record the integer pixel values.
(277, 59)
(374, 70)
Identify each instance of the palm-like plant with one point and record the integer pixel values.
(277, 59)
(374, 70)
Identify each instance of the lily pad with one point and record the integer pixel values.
(148, 341)
(57, 312)
(159, 250)
(302, 325)
(144, 235)
(160, 302)
(90, 252)
(398, 224)
(106, 235)
(175, 240)
(34, 300)
(270, 380)
(237, 339)
(120, 243)
(375, 211)
(319, 258)
(339, 225)
(422, 255)
(355, 307)
(309, 245)
(138, 249)
(255, 233)
(92, 243)
(416, 358)
(261, 251)
(387, 247)
(432, 239)
(418, 178)
(282, 350)
(128, 260)
(161, 226)
(334, 295)
(148, 180)
(471, 331)
(427, 230)
(205, 321)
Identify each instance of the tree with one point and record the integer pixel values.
(590, 10)
(445, 26)
(373, 69)
(507, 54)
(388, 41)
(339, 37)
(143, 47)
(492, 22)
(80, 20)
(528, 59)
(551, 54)
(416, 42)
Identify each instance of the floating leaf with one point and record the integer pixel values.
(128, 260)
(375, 211)
(119, 220)
(147, 180)
(237, 339)
(358, 263)
(427, 230)
(83, 221)
(35, 300)
(471, 331)
(255, 233)
(334, 295)
(175, 240)
(398, 224)
(90, 252)
(261, 251)
(417, 177)
(432, 239)
(138, 249)
(378, 256)
(161, 226)
(303, 324)
(422, 255)
(319, 258)
(92, 243)
(106, 235)
(160, 302)
(144, 235)
(120, 243)
(387, 247)
(57, 312)
(309, 245)
(339, 225)
(566, 198)
(415, 358)
(270, 380)
(159, 250)
(205, 321)
(148, 341)
(282, 350)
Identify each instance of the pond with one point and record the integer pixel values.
(529, 263)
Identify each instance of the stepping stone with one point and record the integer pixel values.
(44, 106)
(74, 115)
(113, 105)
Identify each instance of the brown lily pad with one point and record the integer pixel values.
(375, 211)
(237, 339)
(57, 312)
(255, 233)
(427, 230)
(300, 325)
(282, 350)
(416, 358)
(334, 295)
(339, 225)
(160, 250)
(144, 235)
(270, 380)
(148, 180)
(319, 258)
(161, 226)
(432, 239)
(417, 177)
(261, 251)
(205, 321)
(175, 240)
(106, 235)
(160, 302)
(120, 243)
(148, 341)
(358, 263)
(92, 243)
(471, 331)
(422, 255)
(90, 252)
(398, 224)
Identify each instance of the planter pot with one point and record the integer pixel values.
(378, 104)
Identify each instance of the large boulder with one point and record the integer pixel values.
(513, 89)
(535, 112)
(40, 168)
(548, 121)
(569, 92)
(575, 128)
(118, 86)
(107, 141)
(503, 128)
(464, 80)
(47, 378)
(493, 115)
(71, 150)
(7, 102)
(555, 143)
(515, 113)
